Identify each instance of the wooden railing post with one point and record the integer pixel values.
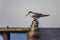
(6, 36)
(34, 33)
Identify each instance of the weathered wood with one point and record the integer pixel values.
(5, 35)
(5, 32)
(14, 29)
(34, 33)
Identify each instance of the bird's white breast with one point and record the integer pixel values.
(31, 14)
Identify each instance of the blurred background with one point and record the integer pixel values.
(45, 34)
(12, 12)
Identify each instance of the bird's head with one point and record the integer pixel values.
(29, 13)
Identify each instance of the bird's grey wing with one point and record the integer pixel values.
(38, 15)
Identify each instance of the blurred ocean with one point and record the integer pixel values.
(45, 33)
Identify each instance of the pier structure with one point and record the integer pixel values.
(33, 33)
(5, 32)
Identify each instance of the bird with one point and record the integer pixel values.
(35, 15)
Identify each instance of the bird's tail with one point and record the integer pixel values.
(45, 15)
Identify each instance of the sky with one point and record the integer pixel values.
(12, 12)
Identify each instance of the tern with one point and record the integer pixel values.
(36, 15)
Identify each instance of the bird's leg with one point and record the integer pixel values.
(34, 22)
(35, 19)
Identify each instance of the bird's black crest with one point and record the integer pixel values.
(30, 12)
